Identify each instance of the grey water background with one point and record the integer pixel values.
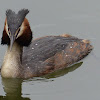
(80, 18)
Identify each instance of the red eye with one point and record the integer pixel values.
(18, 32)
(8, 29)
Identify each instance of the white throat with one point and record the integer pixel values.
(11, 66)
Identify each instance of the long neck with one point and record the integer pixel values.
(11, 67)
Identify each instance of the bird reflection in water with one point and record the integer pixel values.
(13, 89)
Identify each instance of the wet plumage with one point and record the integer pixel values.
(41, 56)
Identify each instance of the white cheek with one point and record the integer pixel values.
(21, 31)
(7, 29)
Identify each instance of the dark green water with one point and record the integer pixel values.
(80, 18)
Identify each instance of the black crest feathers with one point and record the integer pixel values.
(22, 12)
(13, 17)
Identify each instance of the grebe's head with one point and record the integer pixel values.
(16, 28)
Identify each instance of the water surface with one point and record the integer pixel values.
(80, 18)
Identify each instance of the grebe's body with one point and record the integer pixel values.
(43, 55)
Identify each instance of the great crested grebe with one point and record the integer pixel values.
(41, 56)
